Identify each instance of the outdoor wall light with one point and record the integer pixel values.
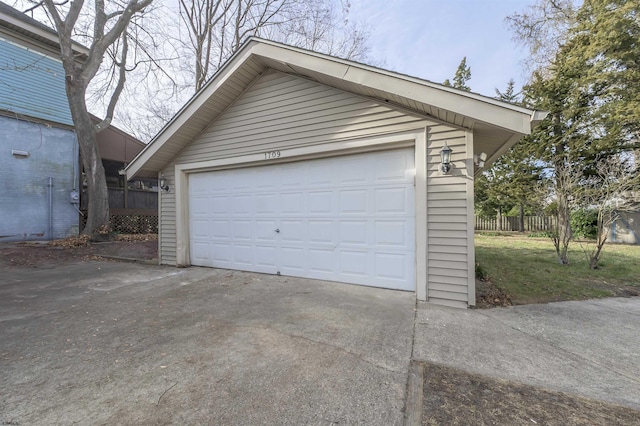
(163, 183)
(479, 159)
(445, 159)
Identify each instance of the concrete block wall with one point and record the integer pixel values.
(24, 205)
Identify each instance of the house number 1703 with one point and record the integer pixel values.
(270, 155)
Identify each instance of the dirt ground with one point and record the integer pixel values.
(145, 247)
(488, 295)
(454, 397)
(44, 254)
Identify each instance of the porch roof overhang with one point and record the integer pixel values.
(496, 125)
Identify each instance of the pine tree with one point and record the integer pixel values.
(461, 77)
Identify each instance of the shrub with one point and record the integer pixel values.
(584, 223)
(481, 274)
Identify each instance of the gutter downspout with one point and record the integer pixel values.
(50, 186)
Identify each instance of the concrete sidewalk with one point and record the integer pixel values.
(589, 348)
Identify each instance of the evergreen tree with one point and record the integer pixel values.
(461, 77)
(515, 179)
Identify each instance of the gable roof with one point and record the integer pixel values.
(497, 125)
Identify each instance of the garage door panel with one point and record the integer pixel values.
(264, 179)
(293, 175)
(321, 202)
(353, 201)
(243, 254)
(354, 172)
(294, 260)
(267, 204)
(355, 263)
(320, 173)
(266, 230)
(292, 203)
(220, 205)
(392, 167)
(348, 219)
(243, 205)
(201, 229)
(221, 229)
(391, 200)
(243, 230)
(391, 265)
(266, 256)
(354, 232)
(390, 233)
(321, 231)
(201, 252)
(221, 254)
(293, 231)
(201, 205)
(321, 260)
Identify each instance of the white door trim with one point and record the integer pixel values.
(415, 138)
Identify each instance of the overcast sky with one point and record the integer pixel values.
(428, 38)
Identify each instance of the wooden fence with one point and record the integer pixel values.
(135, 199)
(512, 223)
(137, 214)
(130, 221)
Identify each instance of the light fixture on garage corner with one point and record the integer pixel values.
(479, 159)
(445, 158)
(163, 183)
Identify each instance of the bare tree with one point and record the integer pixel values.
(107, 29)
(217, 28)
(210, 31)
(543, 27)
(610, 191)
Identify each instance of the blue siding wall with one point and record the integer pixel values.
(24, 205)
(32, 84)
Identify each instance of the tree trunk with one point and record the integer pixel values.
(98, 202)
(521, 218)
(499, 219)
(564, 228)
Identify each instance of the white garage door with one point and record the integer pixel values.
(348, 219)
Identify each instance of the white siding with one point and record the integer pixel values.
(447, 219)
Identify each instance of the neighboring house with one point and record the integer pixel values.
(297, 163)
(38, 149)
(625, 229)
(40, 169)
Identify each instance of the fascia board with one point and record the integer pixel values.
(513, 118)
(40, 32)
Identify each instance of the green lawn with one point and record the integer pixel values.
(527, 270)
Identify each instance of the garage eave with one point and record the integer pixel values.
(444, 103)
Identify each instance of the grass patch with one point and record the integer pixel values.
(527, 270)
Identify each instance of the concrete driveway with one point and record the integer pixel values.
(116, 343)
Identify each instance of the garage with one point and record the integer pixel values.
(301, 164)
(349, 219)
